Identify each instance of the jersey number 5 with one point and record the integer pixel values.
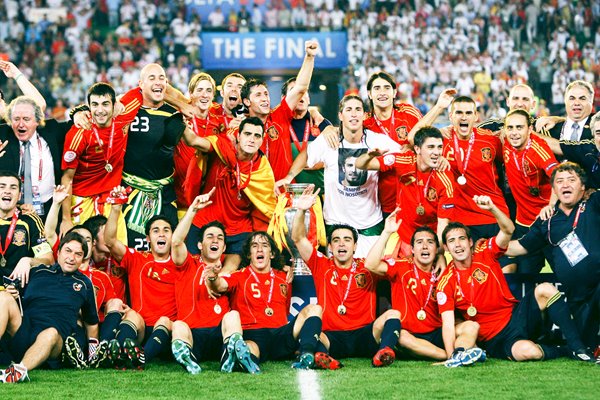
(255, 290)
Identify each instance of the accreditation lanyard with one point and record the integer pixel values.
(9, 235)
(299, 147)
(580, 209)
(352, 272)
(41, 163)
(272, 276)
(110, 141)
(432, 280)
(463, 163)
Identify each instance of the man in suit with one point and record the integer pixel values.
(579, 99)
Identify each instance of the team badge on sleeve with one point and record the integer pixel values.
(69, 156)
(389, 159)
(441, 298)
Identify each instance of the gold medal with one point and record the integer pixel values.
(420, 210)
(421, 315)
(108, 167)
(269, 311)
(217, 309)
(2, 262)
(471, 311)
(461, 180)
(342, 309)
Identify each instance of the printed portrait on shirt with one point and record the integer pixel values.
(349, 174)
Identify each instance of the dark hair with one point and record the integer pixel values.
(1, 95)
(155, 218)
(252, 121)
(232, 75)
(248, 85)
(101, 89)
(74, 237)
(383, 75)
(12, 174)
(211, 224)
(93, 224)
(425, 228)
(425, 133)
(77, 227)
(335, 227)
(277, 260)
(523, 113)
(455, 225)
(569, 166)
(462, 99)
(284, 88)
(347, 98)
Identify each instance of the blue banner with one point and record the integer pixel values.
(271, 50)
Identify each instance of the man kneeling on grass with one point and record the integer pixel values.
(51, 304)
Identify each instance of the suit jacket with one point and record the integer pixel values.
(555, 131)
(53, 133)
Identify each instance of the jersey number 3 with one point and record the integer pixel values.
(140, 124)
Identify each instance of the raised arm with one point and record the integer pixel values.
(178, 250)
(118, 197)
(195, 141)
(304, 75)
(368, 160)
(304, 203)
(297, 166)
(60, 194)
(214, 282)
(506, 225)
(373, 260)
(443, 102)
(11, 71)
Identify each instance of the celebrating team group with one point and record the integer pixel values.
(153, 225)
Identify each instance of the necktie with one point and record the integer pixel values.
(574, 135)
(26, 170)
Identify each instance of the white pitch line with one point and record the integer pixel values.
(308, 382)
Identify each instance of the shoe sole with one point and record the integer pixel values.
(72, 351)
(229, 362)
(182, 355)
(242, 353)
(306, 361)
(325, 361)
(384, 360)
(471, 356)
(133, 354)
(102, 354)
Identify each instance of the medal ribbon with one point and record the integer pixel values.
(432, 280)
(464, 163)
(238, 176)
(425, 188)
(9, 235)
(270, 289)
(521, 166)
(110, 141)
(196, 125)
(462, 291)
(352, 272)
(380, 124)
(304, 139)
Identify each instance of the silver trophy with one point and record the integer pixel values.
(296, 190)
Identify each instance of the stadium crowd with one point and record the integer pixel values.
(153, 222)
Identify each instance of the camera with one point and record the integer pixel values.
(240, 110)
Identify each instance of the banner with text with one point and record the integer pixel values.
(271, 50)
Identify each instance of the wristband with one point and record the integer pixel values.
(18, 76)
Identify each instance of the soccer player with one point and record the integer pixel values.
(244, 200)
(52, 302)
(528, 162)
(231, 87)
(355, 201)
(473, 285)
(92, 160)
(151, 276)
(205, 324)
(395, 120)
(346, 291)
(425, 193)
(255, 96)
(520, 97)
(571, 235)
(413, 283)
(261, 294)
(22, 241)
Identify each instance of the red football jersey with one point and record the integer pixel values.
(332, 283)
(412, 293)
(151, 285)
(103, 289)
(229, 206)
(479, 154)
(213, 124)
(483, 285)
(115, 273)
(277, 143)
(89, 156)
(431, 190)
(249, 294)
(528, 172)
(194, 306)
(403, 119)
